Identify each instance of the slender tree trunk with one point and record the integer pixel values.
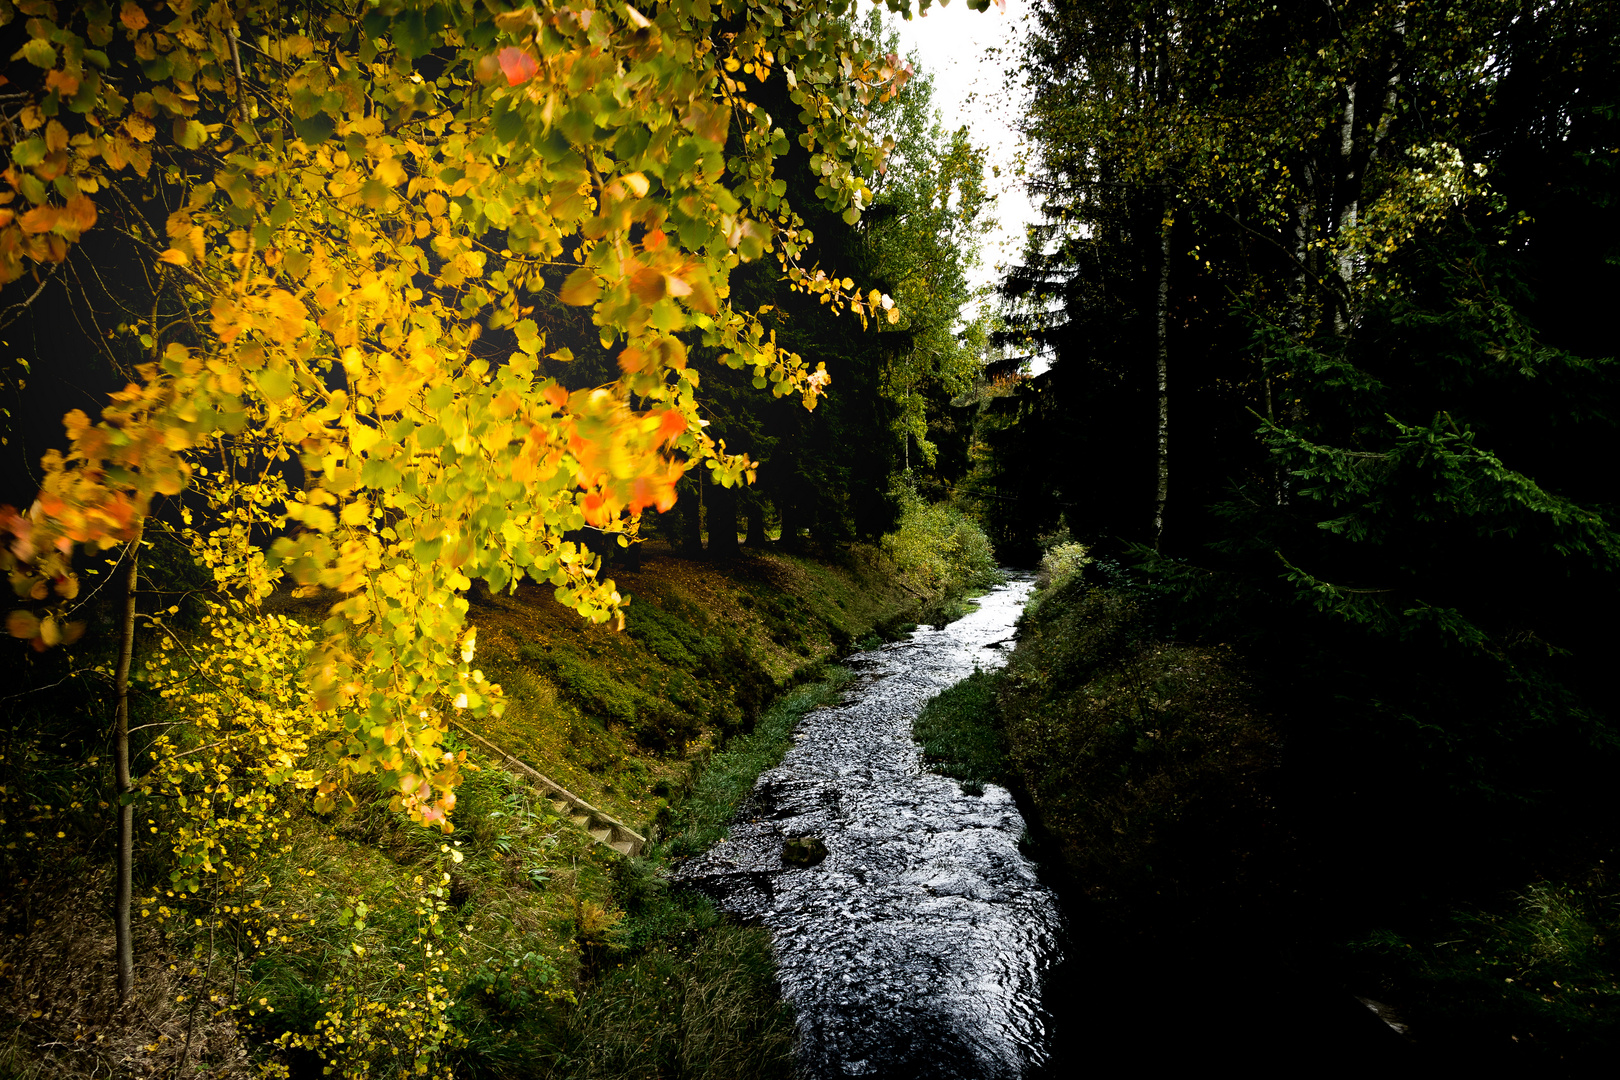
(756, 524)
(722, 506)
(1162, 371)
(792, 521)
(690, 508)
(1349, 205)
(123, 944)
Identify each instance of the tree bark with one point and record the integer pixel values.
(1162, 372)
(792, 522)
(722, 507)
(690, 507)
(756, 524)
(1349, 205)
(122, 942)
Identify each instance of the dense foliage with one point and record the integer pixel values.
(413, 303)
(1324, 283)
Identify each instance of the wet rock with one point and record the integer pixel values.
(803, 851)
(918, 945)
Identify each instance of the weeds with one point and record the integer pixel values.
(1536, 972)
(960, 733)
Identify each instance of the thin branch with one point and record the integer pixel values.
(23, 305)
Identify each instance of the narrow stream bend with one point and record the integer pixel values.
(919, 945)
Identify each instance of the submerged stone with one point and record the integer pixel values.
(803, 851)
(919, 943)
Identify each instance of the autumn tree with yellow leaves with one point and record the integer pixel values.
(350, 196)
(347, 198)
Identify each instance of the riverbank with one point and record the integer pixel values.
(1204, 895)
(912, 936)
(552, 947)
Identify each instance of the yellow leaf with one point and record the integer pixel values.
(580, 289)
(174, 257)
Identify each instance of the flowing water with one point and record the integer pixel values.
(919, 946)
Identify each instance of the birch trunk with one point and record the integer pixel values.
(1349, 205)
(1162, 371)
(123, 945)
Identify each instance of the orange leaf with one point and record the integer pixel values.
(40, 219)
(647, 285)
(174, 257)
(132, 16)
(671, 424)
(22, 624)
(632, 360)
(65, 83)
(82, 211)
(518, 66)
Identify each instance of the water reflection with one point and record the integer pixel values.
(918, 946)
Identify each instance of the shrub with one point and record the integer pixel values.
(1144, 762)
(1062, 562)
(941, 548)
(1533, 973)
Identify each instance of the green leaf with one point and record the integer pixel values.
(190, 133)
(275, 382)
(39, 52)
(316, 129)
(29, 153)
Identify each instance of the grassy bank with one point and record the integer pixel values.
(517, 946)
(961, 733)
(1163, 803)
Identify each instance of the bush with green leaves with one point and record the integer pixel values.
(941, 548)
(1146, 764)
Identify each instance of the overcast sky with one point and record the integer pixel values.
(968, 52)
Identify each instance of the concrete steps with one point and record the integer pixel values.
(603, 828)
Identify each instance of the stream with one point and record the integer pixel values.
(919, 947)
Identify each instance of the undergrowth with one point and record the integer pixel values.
(960, 733)
(517, 947)
(1145, 763)
(1533, 974)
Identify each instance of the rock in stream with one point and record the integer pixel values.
(917, 946)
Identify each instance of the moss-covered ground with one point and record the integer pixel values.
(562, 957)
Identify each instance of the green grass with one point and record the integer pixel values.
(960, 733)
(564, 959)
(703, 818)
(1534, 973)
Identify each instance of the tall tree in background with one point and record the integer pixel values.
(829, 473)
(1391, 227)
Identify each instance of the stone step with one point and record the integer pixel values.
(602, 828)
